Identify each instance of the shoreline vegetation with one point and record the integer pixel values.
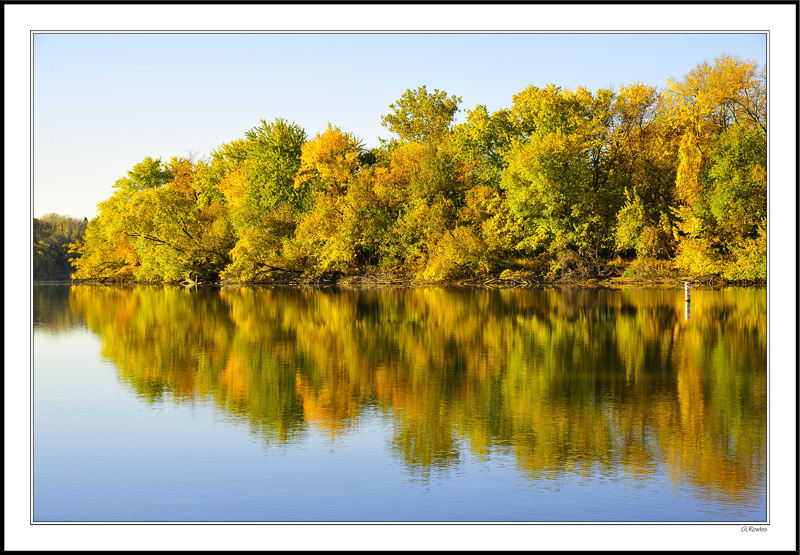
(633, 185)
(388, 280)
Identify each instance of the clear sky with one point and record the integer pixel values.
(104, 101)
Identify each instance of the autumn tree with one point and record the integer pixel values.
(105, 251)
(260, 193)
(328, 163)
(423, 172)
(645, 146)
(719, 112)
(558, 182)
(155, 228)
(480, 144)
(422, 117)
(344, 229)
(175, 235)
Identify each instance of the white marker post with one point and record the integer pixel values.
(686, 288)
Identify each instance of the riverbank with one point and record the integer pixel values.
(504, 280)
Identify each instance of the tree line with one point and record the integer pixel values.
(52, 236)
(560, 183)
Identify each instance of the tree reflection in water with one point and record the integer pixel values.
(566, 381)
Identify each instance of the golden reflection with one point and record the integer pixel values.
(566, 380)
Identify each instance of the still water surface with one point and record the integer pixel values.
(428, 405)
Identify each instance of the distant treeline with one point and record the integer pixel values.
(562, 183)
(52, 236)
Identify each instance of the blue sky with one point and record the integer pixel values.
(103, 102)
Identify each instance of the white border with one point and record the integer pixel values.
(779, 20)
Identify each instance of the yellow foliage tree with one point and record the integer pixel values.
(329, 161)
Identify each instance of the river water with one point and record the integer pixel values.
(161, 404)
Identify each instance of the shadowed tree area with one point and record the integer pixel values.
(52, 236)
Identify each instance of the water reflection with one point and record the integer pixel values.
(52, 312)
(583, 382)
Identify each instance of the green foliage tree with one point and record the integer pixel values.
(150, 173)
(261, 197)
(422, 117)
(480, 144)
(558, 182)
(271, 162)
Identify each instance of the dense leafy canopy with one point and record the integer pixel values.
(559, 178)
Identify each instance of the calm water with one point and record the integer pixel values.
(433, 405)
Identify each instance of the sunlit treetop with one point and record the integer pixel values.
(422, 117)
